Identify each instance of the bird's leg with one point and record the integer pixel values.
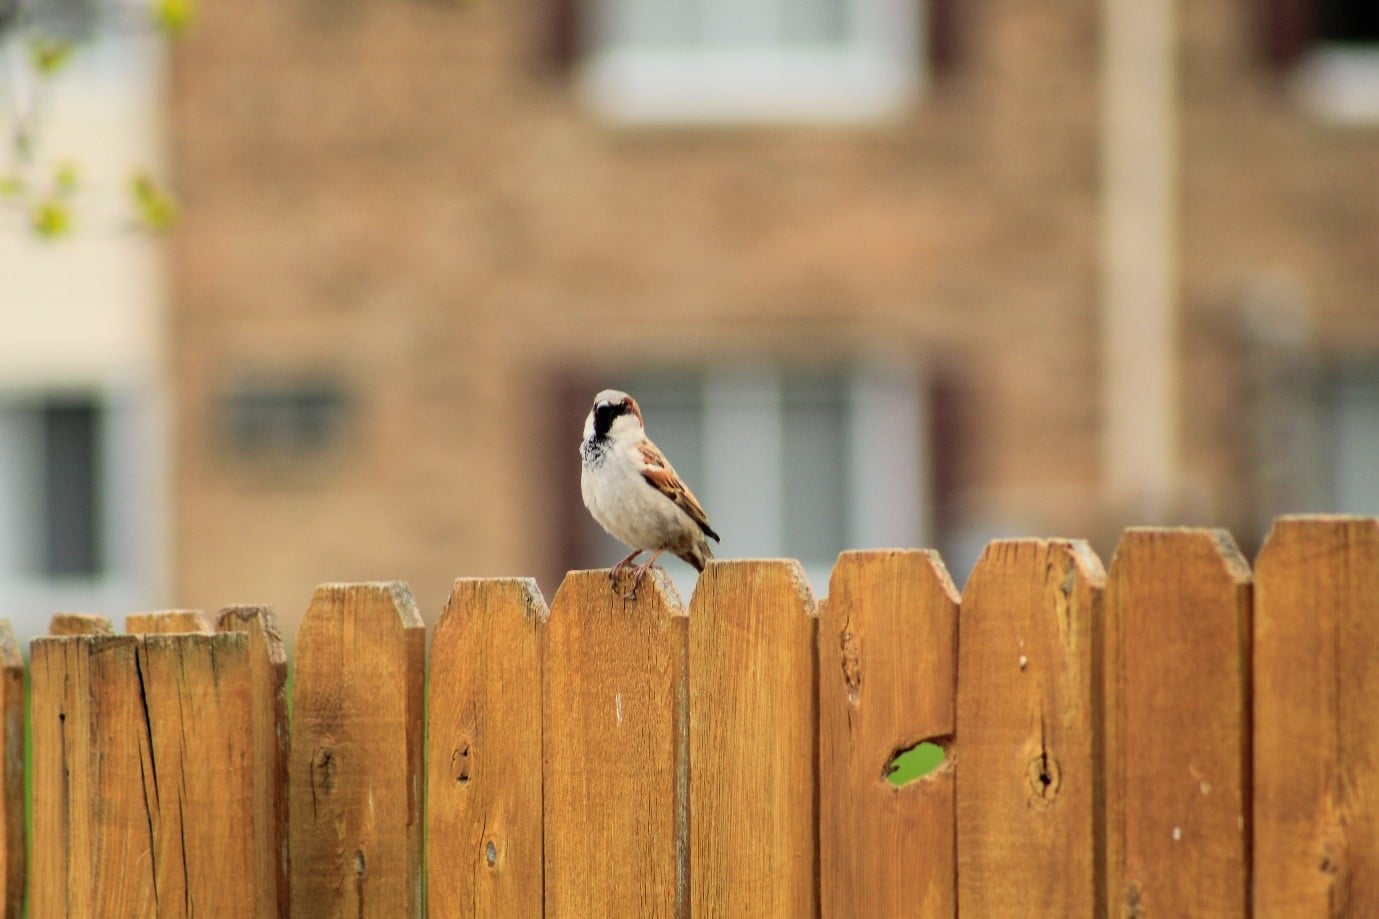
(640, 572)
(618, 568)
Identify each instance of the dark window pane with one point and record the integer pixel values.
(1350, 21)
(71, 470)
(286, 419)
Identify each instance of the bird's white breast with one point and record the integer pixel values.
(628, 506)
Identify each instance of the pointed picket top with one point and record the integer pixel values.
(887, 669)
(1177, 723)
(1316, 638)
(1028, 722)
(355, 802)
(80, 624)
(753, 703)
(614, 755)
(483, 805)
(167, 622)
(268, 701)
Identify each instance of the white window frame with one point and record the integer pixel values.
(873, 76)
(741, 481)
(130, 513)
(1340, 83)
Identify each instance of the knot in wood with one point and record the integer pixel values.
(459, 760)
(323, 767)
(1045, 779)
(852, 665)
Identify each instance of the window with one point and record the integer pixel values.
(285, 420)
(1338, 75)
(789, 462)
(77, 521)
(1353, 421)
(49, 467)
(751, 60)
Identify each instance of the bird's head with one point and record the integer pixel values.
(614, 413)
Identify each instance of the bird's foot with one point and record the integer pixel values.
(638, 573)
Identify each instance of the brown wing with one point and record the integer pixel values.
(663, 477)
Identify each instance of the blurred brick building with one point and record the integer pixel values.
(881, 270)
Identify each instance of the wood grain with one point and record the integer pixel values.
(167, 622)
(483, 802)
(198, 780)
(753, 741)
(267, 662)
(1177, 728)
(144, 779)
(1316, 754)
(1028, 712)
(614, 722)
(355, 800)
(887, 647)
(12, 761)
(93, 831)
(79, 624)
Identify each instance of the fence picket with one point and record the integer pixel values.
(144, 781)
(12, 762)
(1316, 775)
(79, 624)
(167, 622)
(1028, 706)
(355, 798)
(484, 752)
(1177, 728)
(199, 781)
(613, 716)
(268, 726)
(887, 668)
(93, 813)
(753, 705)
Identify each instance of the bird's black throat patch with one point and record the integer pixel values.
(604, 415)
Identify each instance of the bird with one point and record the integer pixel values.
(635, 494)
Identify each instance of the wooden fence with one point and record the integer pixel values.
(1181, 738)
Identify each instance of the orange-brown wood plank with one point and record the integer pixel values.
(614, 754)
(1028, 709)
(483, 801)
(355, 768)
(144, 752)
(95, 794)
(1316, 719)
(887, 667)
(753, 741)
(199, 780)
(12, 761)
(1177, 725)
(268, 725)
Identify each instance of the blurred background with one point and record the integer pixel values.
(881, 272)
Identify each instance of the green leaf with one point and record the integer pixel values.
(173, 16)
(11, 187)
(65, 179)
(50, 219)
(49, 55)
(155, 210)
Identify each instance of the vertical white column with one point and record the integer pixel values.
(1139, 271)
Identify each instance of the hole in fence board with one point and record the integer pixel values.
(910, 764)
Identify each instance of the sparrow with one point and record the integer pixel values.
(634, 493)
